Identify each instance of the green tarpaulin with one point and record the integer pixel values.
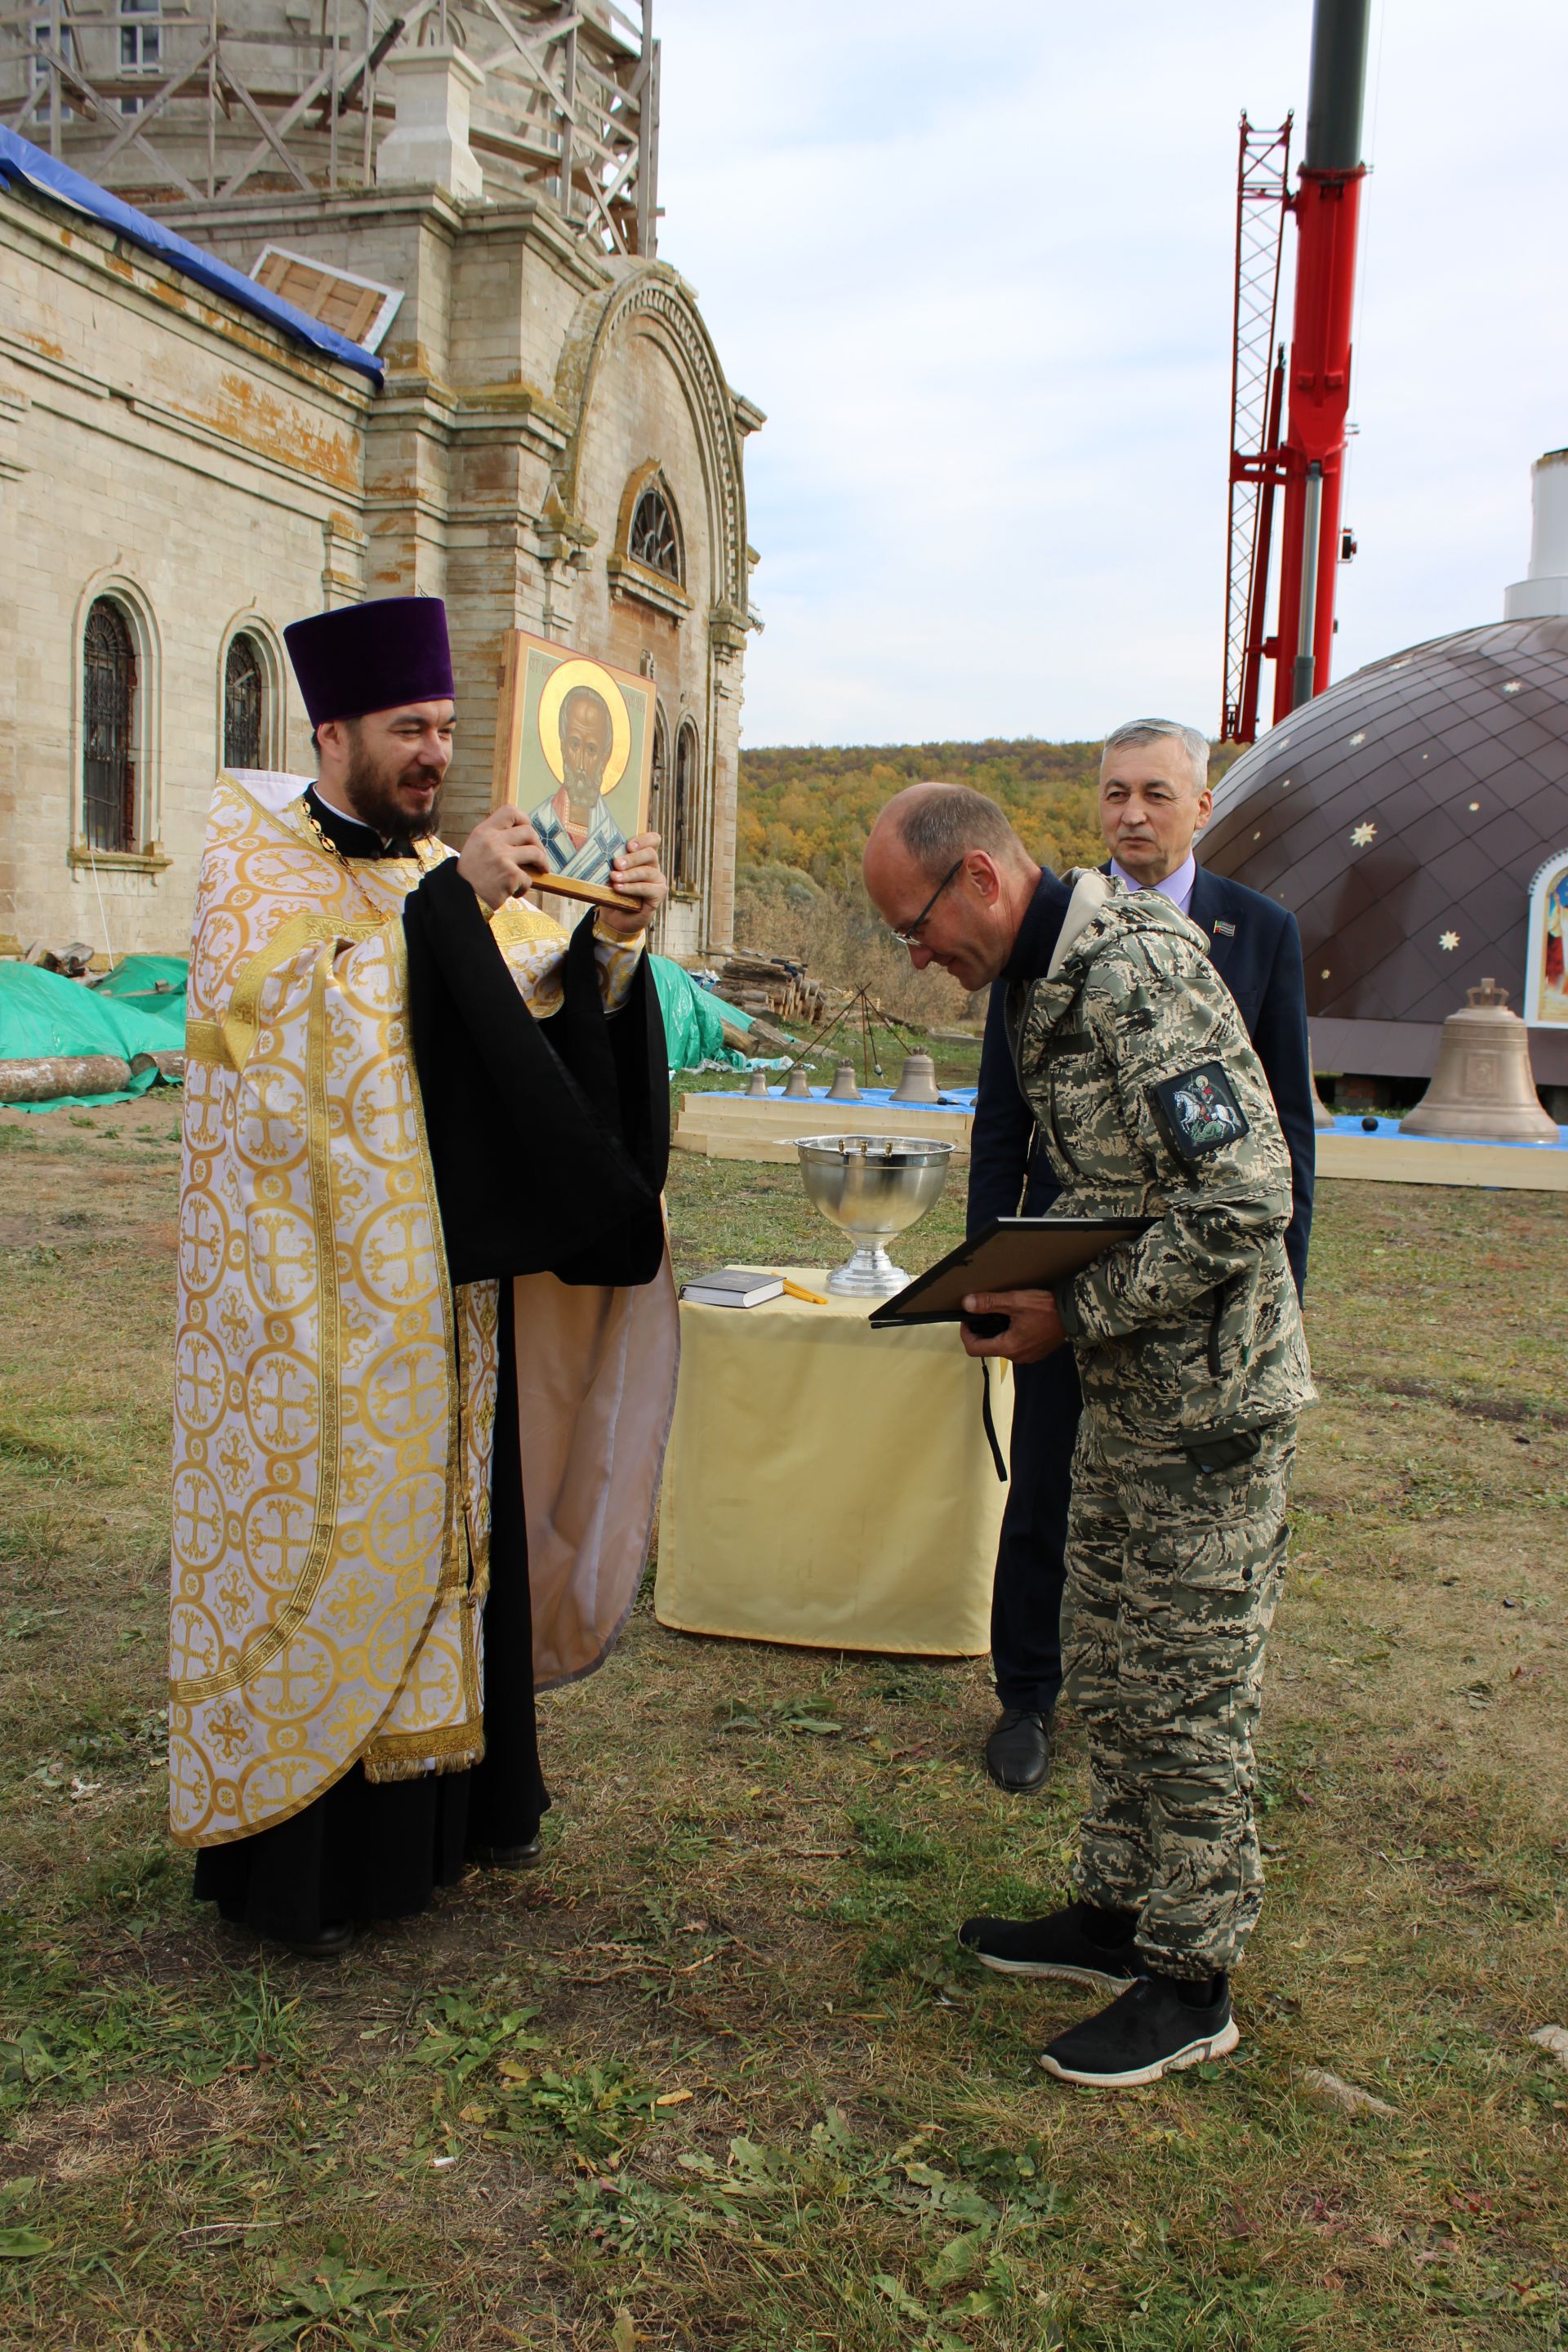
(694, 1020)
(42, 1015)
(140, 1008)
(153, 984)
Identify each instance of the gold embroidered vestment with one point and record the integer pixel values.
(334, 1397)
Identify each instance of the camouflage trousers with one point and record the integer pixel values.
(1172, 1577)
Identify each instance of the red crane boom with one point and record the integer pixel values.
(1312, 388)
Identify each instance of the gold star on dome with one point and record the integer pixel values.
(1448, 942)
(1356, 742)
(1362, 835)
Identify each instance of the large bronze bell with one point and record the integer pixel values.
(1482, 1088)
(918, 1083)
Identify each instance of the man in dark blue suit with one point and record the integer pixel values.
(1153, 802)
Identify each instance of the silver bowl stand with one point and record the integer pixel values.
(871, 1187)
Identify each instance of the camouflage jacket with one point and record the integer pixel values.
(1151, 1102)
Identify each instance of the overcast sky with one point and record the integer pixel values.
(975, 265)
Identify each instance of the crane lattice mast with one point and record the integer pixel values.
(1257, 395)
(1292, 437)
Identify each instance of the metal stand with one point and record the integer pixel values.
(864, 1006)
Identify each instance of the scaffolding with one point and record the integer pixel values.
(198, 104)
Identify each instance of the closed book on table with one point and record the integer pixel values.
(1009, 1254)
(732, 1286)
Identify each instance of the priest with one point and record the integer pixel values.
(427, 1330)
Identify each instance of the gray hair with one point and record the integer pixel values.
(1155, 730)
(943, 826)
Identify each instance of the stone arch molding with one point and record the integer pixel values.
(251, 623)
(652, 293)
(134, 602)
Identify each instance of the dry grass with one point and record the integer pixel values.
(844, 941)
(456, 2138)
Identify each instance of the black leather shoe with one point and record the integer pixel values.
(1079, 1943)
(1154, 2028)
(509, 1857)
(1018, 1752)
(328, 1943)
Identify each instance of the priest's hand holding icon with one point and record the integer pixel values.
(635, 873)
(502, 856)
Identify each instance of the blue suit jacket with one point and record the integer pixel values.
(1255, 947)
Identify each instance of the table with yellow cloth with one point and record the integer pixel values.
(830, 1485)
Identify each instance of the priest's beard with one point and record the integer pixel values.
(370, 789)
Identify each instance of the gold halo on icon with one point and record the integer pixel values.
(557, 686)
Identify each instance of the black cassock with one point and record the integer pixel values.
(549, 1142)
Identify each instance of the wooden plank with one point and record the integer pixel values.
(1392, 1159)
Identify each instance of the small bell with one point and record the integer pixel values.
(758, 1087)
(844, 1089)
(798, 1085)
(918, 1083)
(1482, 1086)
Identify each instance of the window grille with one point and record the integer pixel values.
(683, 832)
(653, 539)
(109, 715)
(244, 699)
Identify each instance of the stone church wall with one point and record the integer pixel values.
(161, 445)
(180, 458)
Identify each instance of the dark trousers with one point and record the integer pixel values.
(1031, 1562)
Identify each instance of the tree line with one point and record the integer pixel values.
(809, 807)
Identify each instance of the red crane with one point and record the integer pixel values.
(1306, 392)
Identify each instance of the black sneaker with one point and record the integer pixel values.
(1061, 1946)
(1151, 2031)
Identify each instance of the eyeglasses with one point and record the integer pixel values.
(910, 935)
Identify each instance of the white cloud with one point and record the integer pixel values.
(977, 271)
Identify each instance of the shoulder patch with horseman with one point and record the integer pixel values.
(1198, 1112)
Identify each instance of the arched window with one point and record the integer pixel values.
(243, 705)
(659, 783)
(653, 539)
(108, 729)
(683, 821)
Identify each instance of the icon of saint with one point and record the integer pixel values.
(579, 835)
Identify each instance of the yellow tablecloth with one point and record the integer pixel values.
(829, 1485)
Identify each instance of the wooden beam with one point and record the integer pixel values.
(145, 114)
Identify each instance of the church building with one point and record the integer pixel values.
(318, 303)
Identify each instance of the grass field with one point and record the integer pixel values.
(717, 2075)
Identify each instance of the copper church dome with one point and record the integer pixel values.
(1402, 816)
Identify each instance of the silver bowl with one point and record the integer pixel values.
(871, 1186)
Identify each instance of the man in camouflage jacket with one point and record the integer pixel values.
(1152, 1104)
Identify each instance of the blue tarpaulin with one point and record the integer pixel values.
(20, 159)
